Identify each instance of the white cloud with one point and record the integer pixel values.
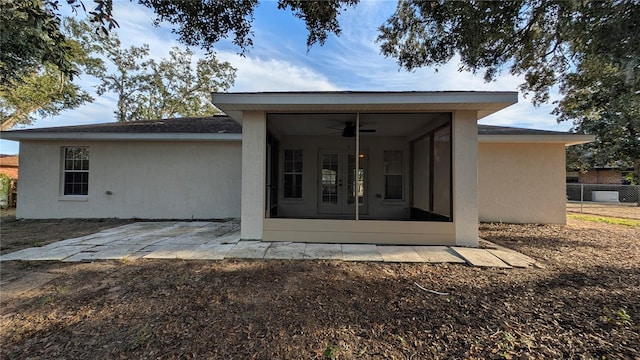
(274, 75)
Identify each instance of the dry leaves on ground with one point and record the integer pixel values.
(584, 303)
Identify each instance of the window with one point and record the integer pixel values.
(393, 178)
(293, 174)
(76, 171)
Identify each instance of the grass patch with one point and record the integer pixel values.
(605, 219)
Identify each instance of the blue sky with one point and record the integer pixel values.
(279, 61)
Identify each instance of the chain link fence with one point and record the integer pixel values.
(604, 199)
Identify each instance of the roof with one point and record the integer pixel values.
(222, 127)
(504, 134)
(483, 102)
(9, 165)
(9, 160)
(217, 127)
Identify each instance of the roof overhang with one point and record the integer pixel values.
(566, 139)
(483, 102)
(18, 136)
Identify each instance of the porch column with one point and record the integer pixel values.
(465, 177)
(254, 144)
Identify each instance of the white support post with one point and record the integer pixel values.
(465, 177)
(254, 145)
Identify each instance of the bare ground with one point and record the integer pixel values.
(582, 304)
(20, 234)
(620, 210)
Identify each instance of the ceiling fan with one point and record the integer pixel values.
(349, 130)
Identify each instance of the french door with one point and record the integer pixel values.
(340, 184)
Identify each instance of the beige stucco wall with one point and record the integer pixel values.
(521, 183)
(150, 180)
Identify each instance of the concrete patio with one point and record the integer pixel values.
(221, 240)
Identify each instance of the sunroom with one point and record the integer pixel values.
(361, 167)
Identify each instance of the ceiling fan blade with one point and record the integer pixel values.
(367, 130)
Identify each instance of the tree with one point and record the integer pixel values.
(31, 28)
(204, 23)
(39, 87)
(150, 89)
(32, 38)
(39, 93)
(590, 49)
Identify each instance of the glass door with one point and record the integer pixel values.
(340, 184)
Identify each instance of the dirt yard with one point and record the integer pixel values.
(20, 234)
(620, 210)
(582, 304)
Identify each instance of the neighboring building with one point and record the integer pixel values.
(9, 165)
(600, 176)
(285, 163)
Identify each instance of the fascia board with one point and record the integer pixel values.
(487, 101)
(17, 136)
(568, 139)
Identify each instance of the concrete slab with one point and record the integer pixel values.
(323, 251)
(170, 254)
(360, 252)
(67, 242)
(102, 240)
(512, 258)
(438, 254)
(248, 250)
(480, 257)
(392, 253)
(218, 240)
(203, 252)
(44, 253)
(211, 252)
(230, 238)
(285, 250)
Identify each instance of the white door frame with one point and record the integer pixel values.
(338, 183)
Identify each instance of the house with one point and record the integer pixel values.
(354, 167)
(597, 175)
(9, 165)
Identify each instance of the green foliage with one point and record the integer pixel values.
(31, 37)
(331, 352)
(605, 219)
(5, 184)
(590, 49)
(618, 318)
(40, 88)
(43, 93)
(204, 23)
(178, 86)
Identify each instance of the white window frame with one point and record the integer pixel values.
(295, 174)
(73, 169)
(387, 172)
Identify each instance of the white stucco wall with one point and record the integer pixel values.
(150, 180)
(254, 143)
(521, 183)
(465, 176)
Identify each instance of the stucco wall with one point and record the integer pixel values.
(521, 183)
(151, 180)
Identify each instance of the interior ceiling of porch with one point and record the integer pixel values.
(331, 124)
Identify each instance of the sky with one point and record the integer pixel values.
(280, 61)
